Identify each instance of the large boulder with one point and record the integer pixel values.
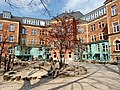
(7, 77)
(82, 70)
(70, 68)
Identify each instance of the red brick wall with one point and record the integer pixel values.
(111, 19)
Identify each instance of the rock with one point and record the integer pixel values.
(82, 70)
(71, 73)
(47, 63)
(44, 76)
(18, 78)
(39, 77)
(13, 78)
(12, 72)
(41, 63)
(6, 77)
(70, 68)
(35, 77)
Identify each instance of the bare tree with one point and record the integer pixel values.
(4, 45)
(3, 42)
(80, 46)
(62, 36)
(33, 5)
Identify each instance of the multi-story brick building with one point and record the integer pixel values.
(113, 21)
(98, 30)
(94, 34)
(102, 42)
(65, 31)
(23, 36)
(9, 33)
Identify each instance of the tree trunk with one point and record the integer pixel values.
(12, 65)
(9, 61)
(0, 60)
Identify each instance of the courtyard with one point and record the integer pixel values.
(99, 77)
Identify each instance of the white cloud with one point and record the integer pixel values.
(27, 9)
(83, 6)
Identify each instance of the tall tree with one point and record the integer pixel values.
(5, 44)
(4, 38)
(62, 36)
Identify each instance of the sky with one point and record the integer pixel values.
(22, 8)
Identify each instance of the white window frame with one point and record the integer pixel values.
(54, 55)
(98, 47)
(69, 55)
(41, 42)
(34, 32)
(12, 27)
(1, 26)
(115, 27)
(79, 29)
(34, 41)
(93, 27)
(31, 41)
(24, 40)
(102, 24)
(101, 35)
(82, 39)
(114, 10)
(11, 40)
(118, 45)
(103, 47)
(10, 50)
(23, 31)
(99, 25)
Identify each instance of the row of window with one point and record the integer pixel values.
(10, 38)
(80, 30)
(104, 48)
(115, 27)
(33, 41)
(95, 14)
(11, 27)
(100, 25)
(69, 43)
(105, 56)
(100, 12)
(62, 55)
(33, 32)
(62, 29)
(35, 22)
(101, 37)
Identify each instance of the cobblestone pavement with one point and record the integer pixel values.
(99, 77)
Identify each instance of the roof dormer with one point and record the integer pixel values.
(7, 15)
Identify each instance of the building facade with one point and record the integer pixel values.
(95, 35)
(113, 21)
(98, 31)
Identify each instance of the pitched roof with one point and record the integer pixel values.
(107, 1)
(77, 15)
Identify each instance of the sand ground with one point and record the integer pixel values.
(99, 77)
